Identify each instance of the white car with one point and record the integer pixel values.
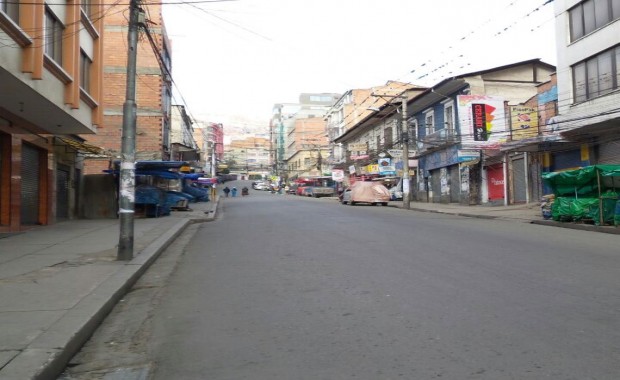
(261, 186)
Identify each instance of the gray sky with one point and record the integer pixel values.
(233, 60)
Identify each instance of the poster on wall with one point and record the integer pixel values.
(482, 120)
(523, 122)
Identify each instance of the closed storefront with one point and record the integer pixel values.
(455, 184)
(436, 185)
(62, 191)
(495, 183)
(30, 185)
(519, 186)
(609, 153)
(570, 159)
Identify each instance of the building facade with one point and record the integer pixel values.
(283, 123)
(51, 78)
(153, 88)
(460, 126)
(183, 146)
(353, 107)
(588, 51)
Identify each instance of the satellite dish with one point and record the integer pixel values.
(381, 154)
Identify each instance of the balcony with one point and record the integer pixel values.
(437, 140)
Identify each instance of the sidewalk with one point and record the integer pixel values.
(58, 282)
(526, 213)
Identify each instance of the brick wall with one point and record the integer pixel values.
(149, 123)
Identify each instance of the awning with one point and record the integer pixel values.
(81, 146)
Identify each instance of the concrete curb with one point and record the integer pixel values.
(581, 227)
(55, 347)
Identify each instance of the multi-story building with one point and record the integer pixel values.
(153, 87)
(51, 91)
(248, 155)
(371, 138)
(460, 126)
(210, 139)
(588, 76)
(456, 130)
(308, 145)
(353, 107)
(183, 146)
(282, 125)
(283, 116)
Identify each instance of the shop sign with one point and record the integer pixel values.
(468, 155)
(396, 153)
(372, 169)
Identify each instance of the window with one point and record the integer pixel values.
(86, 7)
(596, 76)
(430, 124)
(11, 9)
(387, 138)
(85, 63)
(53, 29)
(448, 115)
(591, 15)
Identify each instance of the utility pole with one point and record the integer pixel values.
(127, 175)
(213, 158)
(406, 201)
(405, 138)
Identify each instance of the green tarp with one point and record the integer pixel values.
(586, 193)
(584, 181)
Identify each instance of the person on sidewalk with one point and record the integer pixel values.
(226, 191)
(234, 192)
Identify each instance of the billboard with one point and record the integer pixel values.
(482, 120)
(523, 122)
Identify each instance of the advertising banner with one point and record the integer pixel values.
(523, 122)
(385, 166)
(482, 120)
(338, 175)
(372, 169)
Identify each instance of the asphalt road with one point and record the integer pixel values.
(284, 287)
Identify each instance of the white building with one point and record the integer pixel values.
(588, 74)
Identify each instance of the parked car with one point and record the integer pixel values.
(366, 192)
(300, 190)
(292, 189)
(260, 185)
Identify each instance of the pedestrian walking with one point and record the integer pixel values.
(226, 191)
(234, 192)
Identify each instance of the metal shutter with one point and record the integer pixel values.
(567, 160)
(609, 153)
(436, 185)
(30, 185)
(455, 184)
(62, 191)
(518, 177)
